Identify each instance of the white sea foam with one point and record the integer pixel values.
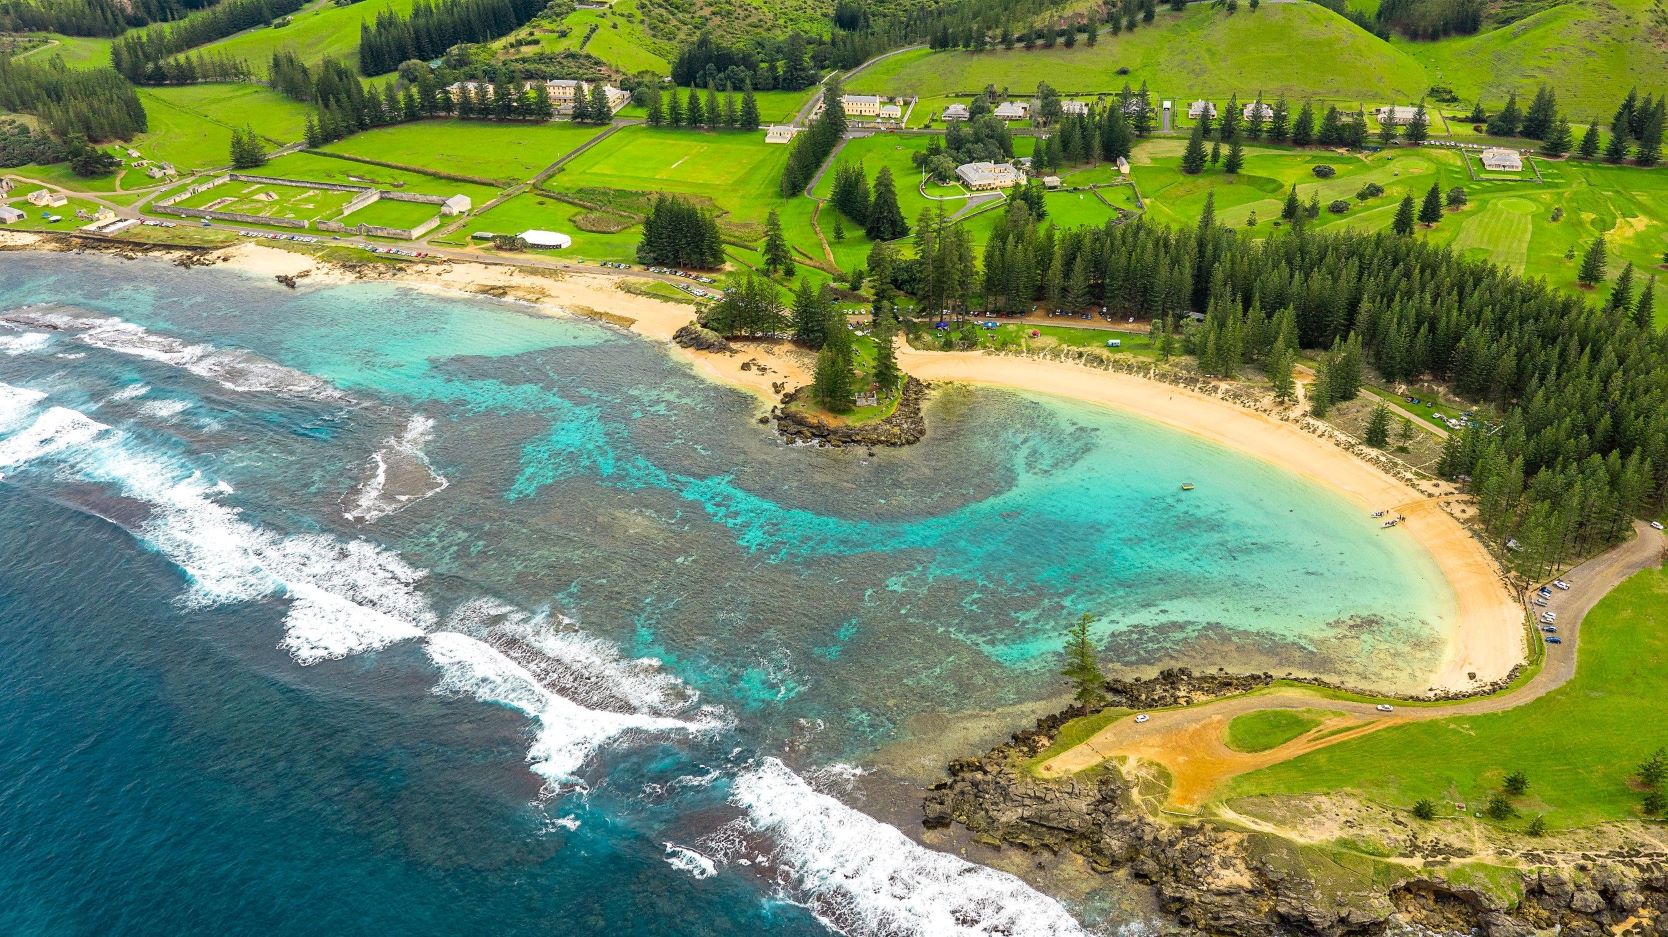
(232, 368)
(16, 403)
(403, 459)
(24, 344)
(53, 431)
(688, 860)
(130, 392)
(568, 732)
(861, 876)
(164, 411)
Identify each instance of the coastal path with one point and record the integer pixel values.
(1190, 742)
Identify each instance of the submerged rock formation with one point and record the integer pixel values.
(905, 426)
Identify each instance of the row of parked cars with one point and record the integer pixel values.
(1549, 618)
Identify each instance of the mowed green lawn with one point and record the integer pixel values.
(320, 31)
(191, 125)
(76, 51)
(1271, 728)
(1578, 744)
(290, 201)
(324, 169)
(1505, 221)
(1296, 49)
(1589, 51)
(393, 214)
(508, 152)
(534, 211)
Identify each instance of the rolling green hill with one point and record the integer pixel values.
(1589, 51)
(319, 31)
(1296, 49)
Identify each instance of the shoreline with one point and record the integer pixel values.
(1488, 633)
(1487, 638)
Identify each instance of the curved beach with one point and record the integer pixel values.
(1488, 638)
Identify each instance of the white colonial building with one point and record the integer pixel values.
(1199, 109)
(1395, 114)
(1013, 110)
(987, 175)
(1500, 159)
(956, 112)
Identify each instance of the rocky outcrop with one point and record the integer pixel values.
(700, 338)
(904, 427)
(1217, 881)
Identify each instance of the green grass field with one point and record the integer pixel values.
(532, 210)
(324, 169)
(191, 125)
(508, 152)
(1589, 51)
(1578, 744)
(33, 217)
(290, 201)
(320, 31)
(1506, 221)
(1297, 49)
(76, 51)
(1271, 728)
(619, 39)
(392, 214)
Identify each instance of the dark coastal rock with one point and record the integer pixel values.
(701, 339)
(904, 427)
(1215, 881)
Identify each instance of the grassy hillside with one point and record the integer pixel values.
(319, 31)
(618, 38)
(1578, 744)
(1296, 49)
(76, 51)
(503, 151)
(1589, 51)
(191, 126)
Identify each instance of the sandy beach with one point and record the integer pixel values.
(1488, 637)
(1489, 634)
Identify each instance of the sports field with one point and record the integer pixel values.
(736, 169)
(325, 169)
(1296, 49)
(507, 152)
(1578, 744)
(319, 31)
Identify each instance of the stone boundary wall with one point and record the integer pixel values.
(367, 195)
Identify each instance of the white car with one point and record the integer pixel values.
(1141, 718)
(1385, 707)
(1656, 524)
(1560, 584)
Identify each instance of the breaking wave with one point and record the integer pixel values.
(23, 344)
(860, 876)
(399, 474)
(232, 368)
(688, 860)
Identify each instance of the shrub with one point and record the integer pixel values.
(1517, 783)
(1370, 190)
(1424, 809)
(1324, 171)
(1499, 808)
(1338, 206)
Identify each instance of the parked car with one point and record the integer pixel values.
(1554, 639)
(1656, 524)
(1385, 707)
(1141, 718)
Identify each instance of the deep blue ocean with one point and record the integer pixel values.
(357, 610)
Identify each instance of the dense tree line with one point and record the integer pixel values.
(21, 146)
(139, 56)
(679, 234)
(876, 211)
(91, 17)
(1432, 19)
(808, 150)
(432, 28)
(693, 108)
(768, 64)
(94, 103)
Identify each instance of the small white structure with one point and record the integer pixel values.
(1500, 159)
(46, 198)
(780, 133)
(955, 112)
(1254, 110)
(1051, 182)
(1123, 166)
(1199, 109)
(1013, 110)
(1080, 108)
(1395, 114)
(456, 205)
(10, 215)
(987, 175)
(889, 112)
(5, 186)
(546, 239)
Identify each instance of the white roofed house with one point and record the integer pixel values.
(955, 112)
(780, 133)
(1396, 114)
(1500, 159)
(1013, 110)
(889, 112)
(1257, 110)
(985, 175)
(46, 198)
(10, 215)
(456, 205)
(1080, 108)
(1200, 109)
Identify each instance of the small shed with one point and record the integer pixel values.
(10, 215)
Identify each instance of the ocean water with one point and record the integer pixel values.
(352, 610)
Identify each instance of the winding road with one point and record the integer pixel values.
(1190, 742)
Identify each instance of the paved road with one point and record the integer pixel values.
(1189, 741)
